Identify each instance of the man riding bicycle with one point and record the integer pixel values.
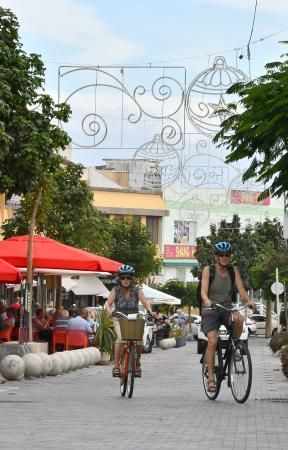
(220, 290)
(126, 297)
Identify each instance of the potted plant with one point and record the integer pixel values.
(105, 337)
(178, 333)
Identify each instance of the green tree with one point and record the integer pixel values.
(29, 139)
(66, 213)
(263, 276)
(187, 292)
(260, 131)
(131, 244)
(247, 244)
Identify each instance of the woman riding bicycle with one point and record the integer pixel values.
(126, 297)
(219, 291)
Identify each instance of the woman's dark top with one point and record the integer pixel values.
(126, 306)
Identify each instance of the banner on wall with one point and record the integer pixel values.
(179, 251)
(181, 232)
(247, 197)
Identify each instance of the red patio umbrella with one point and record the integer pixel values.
(51, 254)
(9, 273)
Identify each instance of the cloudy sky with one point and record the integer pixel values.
(186, 33)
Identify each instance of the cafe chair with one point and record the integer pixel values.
(5, 335)
(59, 337)
(77, 339)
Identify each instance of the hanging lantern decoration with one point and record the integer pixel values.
(208, 93)
(165, 163)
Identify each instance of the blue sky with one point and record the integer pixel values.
(136, 32)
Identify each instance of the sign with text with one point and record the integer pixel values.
(179, 251)
(247, 197)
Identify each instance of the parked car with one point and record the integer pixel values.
(224, 336)
(195, 323)
(260, 320)
(149, 329)
(251, 325)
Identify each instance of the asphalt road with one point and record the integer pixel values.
(169, 410)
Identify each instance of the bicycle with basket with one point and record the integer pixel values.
(132, 329)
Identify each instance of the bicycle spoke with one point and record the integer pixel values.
(240, 373)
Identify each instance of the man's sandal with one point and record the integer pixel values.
(211, 386)
(116, 372)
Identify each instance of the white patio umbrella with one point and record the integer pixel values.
(85, 285)
(157, 297)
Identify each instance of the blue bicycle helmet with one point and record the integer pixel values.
(126, 270)
(221, 247)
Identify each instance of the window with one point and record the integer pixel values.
(152, 223)
(181, 273)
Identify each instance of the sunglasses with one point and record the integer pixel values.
(126, 277)
(224, 254)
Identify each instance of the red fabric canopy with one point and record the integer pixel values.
(48, 253)
(9, 273)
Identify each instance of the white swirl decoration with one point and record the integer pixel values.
(172, 134)
(164, 89)
(94, 125)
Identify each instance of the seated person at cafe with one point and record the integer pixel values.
(61, 319)
(11, 316)
(80, 322)
(73, 310)
(3, 325)
(41, 325)
(3, 313)
(163, 329)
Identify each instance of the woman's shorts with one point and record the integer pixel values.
(117, 330)
(212, 318)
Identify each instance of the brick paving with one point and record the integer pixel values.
(169, 410)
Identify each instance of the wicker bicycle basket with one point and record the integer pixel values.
(132, 329)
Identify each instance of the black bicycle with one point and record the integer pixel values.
(232, 360)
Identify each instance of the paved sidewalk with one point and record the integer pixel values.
(169, 409)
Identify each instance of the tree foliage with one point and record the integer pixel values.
(66, 213)
(248, 244)
(260, 132)
(131, 244)
(29, 139)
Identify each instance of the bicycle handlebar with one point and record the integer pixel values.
(234, 309)
(120, 315)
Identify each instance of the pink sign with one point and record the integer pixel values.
(247, 197)
(179, 251)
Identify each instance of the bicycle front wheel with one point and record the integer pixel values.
(131, 372)
(240, 372)
(124, 373)
(217, 374)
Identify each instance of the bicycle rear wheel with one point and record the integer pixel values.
(124, 373)
(217, 372)
(131, 372)
(240, 372)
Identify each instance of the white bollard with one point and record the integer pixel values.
(167, 343)
(57, 366)
(46, 363)
(33, 365)
(12, 367)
